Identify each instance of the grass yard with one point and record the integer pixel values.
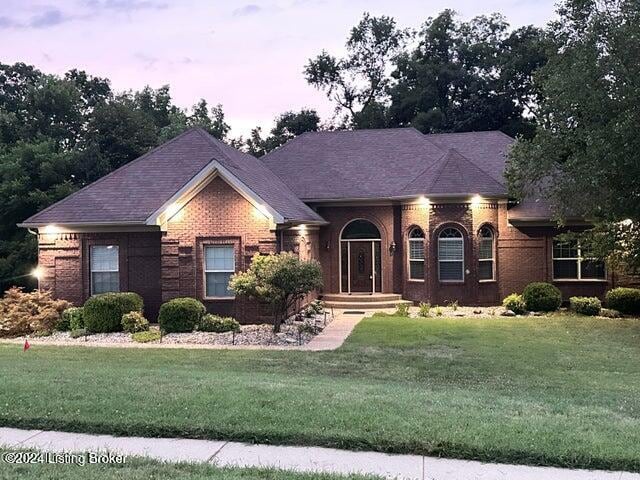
(143, 469)
(543, 391)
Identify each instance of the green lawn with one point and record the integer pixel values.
(143, 469)
(551, 391)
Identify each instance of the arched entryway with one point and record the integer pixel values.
(360, 259)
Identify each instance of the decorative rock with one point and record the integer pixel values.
(477, 311)
(508, 313)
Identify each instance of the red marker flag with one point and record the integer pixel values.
(26, 345)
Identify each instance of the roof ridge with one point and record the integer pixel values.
(111, 173)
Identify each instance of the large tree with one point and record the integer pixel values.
(585, 158)
(357, 82)
(466, 76)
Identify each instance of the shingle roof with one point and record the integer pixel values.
(132, 193)
(387, 163)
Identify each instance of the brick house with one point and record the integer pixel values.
(388, 214)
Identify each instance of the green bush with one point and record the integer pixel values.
(146, 336)
(585, 305)
(424, 309)
(103, 313)
(181, 315)
(78, 332)
(625, 300)
(542, 297)
(609, 313)
(402, 310)
(71, 319)
(317, 305)
(133, 322)
(218, 324)
(515, 303)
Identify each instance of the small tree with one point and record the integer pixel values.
(279, 280)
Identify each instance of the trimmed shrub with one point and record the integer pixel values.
(103, 313)
(71, 319)
(424, 309)
(218, 324)
(133, 322)
(402, 310)
(79, 332)
(146, 336)
(542, 297)
(609, 313)
(625, 300)
(181, 315)
(515, 303)
(317, 305)
(585, 305)
(27, 313)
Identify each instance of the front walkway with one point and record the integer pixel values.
(302, 459)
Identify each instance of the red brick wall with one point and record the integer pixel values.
(216, 215)
(64, 259)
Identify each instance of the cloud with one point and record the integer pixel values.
(126, 5)
(149, 61)
(249, 9)
(6, 22)
(48, 18)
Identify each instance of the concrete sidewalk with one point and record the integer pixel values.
(304, 459)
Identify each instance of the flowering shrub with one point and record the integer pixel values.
(25, 313)
(133, 322)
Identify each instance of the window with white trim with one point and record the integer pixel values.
(219, 265)
(486, 252)
(571, 262)
(105, 275)
(416, 254)
(450, 255)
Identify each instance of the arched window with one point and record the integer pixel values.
(360, 230)
(416, 254)
(451, 255)
(486, 252)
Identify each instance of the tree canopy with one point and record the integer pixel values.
(58, 134)
(585, 158)
(457, 76)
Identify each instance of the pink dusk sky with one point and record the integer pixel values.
(246, 55)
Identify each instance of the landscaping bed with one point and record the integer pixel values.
(293, 333)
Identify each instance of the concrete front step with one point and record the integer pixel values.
(366, 305)
(361, 297)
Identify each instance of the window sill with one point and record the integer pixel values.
(452, 282)
(415, 280)
(580, 280)
(493, 280)
(219, 298)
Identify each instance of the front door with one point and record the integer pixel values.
(361, 267)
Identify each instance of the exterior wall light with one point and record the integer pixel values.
(37, 273)
(424, 201)
(51, 230)
(392, 248)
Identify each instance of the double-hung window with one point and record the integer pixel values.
(416, 254)
(105, 275)
(451, 255)
(486, 252)
(571, 262)
(219, 265)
